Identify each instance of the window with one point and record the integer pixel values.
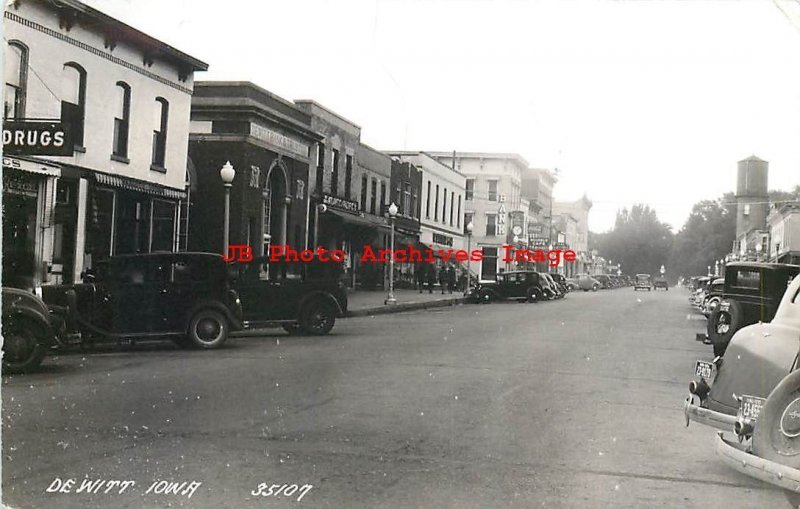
(407, 200)
(73, 99)
(320, 168)
(163, 226)
(335, 173)
(428, 202)
(348, 177)
(363, 192)
(122, 119)
(414, 204)
(16, 68)
(383, 197)
(489, 264)
(373, 196)
(491, 225)
(746, 209)
(444, 205)
(470, 189)
(746, 278)
(160, 133)
(458, 214)
(436, 205)
(452, 202)
(492, 190)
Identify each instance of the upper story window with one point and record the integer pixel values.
(160, 132)
(363, 192)
(335, 173)
(407, 200)
(383, 197)
(73, 100)
(444, 205)
(453, 199)
(320, 168)
(348, 176)
(428, 202)
(470, 189)
(491, 225)
(492, 190)
(16, 65)
(373, 196)
(436, 204)
(122, 119)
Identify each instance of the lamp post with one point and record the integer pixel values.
(470, 226)
(390, 300)
(227, 174)
(319, 209)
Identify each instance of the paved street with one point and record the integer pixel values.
(573, 403)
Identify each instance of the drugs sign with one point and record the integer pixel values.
(37, 138)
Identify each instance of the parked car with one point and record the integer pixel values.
(551, 289)
(183, 296)
(643, 282)
(660, 282)
(572, 284)
(754, 391)
(518, 285)
(751, 294)
(29, 330)
(299, 296)
(605, 281)
(561, 281)
(587, 282)
(713, 296)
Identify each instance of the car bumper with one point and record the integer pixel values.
(735, 456)
(705, 416)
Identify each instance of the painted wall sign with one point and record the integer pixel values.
(278, 139)
(444, 240)
(37, 138)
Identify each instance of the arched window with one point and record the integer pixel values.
(122, 105)
(73, 99)
(16, 69)
(160, 133)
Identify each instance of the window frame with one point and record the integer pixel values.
(158, 161)
(21, 88)
(78, 131)
(123, 125)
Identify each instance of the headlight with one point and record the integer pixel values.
(38, 291)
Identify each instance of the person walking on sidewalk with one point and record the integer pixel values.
(451, 278)
(419, 274)
(431, 273)
(443, 278)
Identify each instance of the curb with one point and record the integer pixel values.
(406, 306)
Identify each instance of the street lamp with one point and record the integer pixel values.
(390, 300)
(227, 173)
(470, 226)
(319, 209)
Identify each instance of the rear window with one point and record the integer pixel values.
(746, 279)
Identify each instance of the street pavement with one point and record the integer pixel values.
(572, 403)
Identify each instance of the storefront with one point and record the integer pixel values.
(29, 188)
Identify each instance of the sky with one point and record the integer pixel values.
(632, 101)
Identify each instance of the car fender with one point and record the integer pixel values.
(235, 323)
(319, 294)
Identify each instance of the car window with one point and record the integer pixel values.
(131, 273)
(187, 271)
(746, 279)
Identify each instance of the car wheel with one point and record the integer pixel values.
(317, 318)
(585, 289)
(485, 296)
(208, 329)
(534, 295)
(23, 348)
(722, 325)
(595, 288)
(776, 436)
(293, 329)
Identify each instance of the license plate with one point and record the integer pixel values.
(751, 406)
(704, 369)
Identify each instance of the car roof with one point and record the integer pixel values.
(637, 275)
(166, 254)
(762, 265)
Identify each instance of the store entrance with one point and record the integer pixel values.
(19, 239)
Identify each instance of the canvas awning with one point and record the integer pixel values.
(139, 185)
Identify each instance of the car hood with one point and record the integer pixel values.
(758, 357)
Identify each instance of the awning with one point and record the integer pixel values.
(139, 185)
(366, 220)
(32, 166)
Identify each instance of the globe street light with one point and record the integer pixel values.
(470, 226)
(227, 174)
(390, 300)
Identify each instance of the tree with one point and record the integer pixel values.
(639, 241)
(707, 236)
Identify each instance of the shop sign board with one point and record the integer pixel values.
(339, 203)
(37, 138)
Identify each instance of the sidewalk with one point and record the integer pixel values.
(366, 302)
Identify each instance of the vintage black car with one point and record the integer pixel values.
(518, 285)
(184, 296)
(299, 296)
(561, 281)
(550, 287)
(660, 282)
(713, 296)
(751, 294)
(29, 330)
(642, 281)
(754, 391)
(605, 281)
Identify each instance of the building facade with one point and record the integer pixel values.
(783, 222)
(579, 240)
(125, 98)
(492, 196)
(270, 144)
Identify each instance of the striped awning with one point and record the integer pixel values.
(140, 186)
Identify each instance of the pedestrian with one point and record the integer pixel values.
(443, 278)
(420, 276)
(431, 273)
(451, 278)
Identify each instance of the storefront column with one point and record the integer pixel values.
(80, 229)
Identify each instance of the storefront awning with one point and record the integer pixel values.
(31, 166)
(366, 220)
(139, 185)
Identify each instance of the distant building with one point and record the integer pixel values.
(542, 233)
(125, 97)
(783, 222)
(752, 206)
(579, 241)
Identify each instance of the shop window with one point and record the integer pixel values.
(122, 119)
(489, 263)
(163, 225)
(492, 190)
(16, 69)
(101, 225)
(132, 228)
(160, 133)
(348, 177)
(73, 100)
(335, 173)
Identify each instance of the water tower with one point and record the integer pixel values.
(752, 197)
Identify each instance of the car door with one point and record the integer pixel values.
(258, 284)
(186, 281)
(130, 296)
